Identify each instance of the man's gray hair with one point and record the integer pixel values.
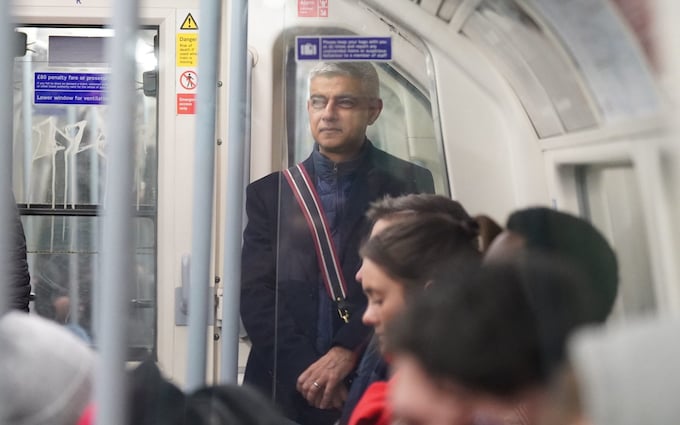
(363, 71)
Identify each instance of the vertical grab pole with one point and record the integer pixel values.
(238, 114)
(204, 175)
(26, 122)
(117, 240)
(6, 62)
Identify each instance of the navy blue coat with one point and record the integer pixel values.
(283, 336)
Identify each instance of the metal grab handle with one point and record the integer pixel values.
(186, 281)
(183, 292)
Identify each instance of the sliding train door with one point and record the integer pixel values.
(62, 128)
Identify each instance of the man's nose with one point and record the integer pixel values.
(330, 112)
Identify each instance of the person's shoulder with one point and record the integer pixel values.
(269, 179)
(264, 189)
(390, 161)
(272, 181)
(414, 177)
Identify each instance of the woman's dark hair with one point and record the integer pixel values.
(417, 203)
(419, 248)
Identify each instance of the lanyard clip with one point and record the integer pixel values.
(344, 314)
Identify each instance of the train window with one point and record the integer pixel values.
(60, 176)
(405, 128)
(609, 197)
(606, 54)
(443, 9)
(536, 67)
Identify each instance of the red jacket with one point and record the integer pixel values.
(373, 408)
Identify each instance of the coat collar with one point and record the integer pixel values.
(327, 169)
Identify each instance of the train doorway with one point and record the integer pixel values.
(60, 132)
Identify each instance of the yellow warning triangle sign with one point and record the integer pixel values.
(189, 23)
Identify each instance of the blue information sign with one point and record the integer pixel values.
(70, 88)
(336, 48)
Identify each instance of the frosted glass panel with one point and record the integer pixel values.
(610, 198)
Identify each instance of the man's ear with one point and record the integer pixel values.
(375, 109)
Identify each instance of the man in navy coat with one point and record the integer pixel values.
(303, 353)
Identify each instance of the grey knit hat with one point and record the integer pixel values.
(45, 372)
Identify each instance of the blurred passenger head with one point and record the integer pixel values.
(153, 400)
(497, 334)
(415, 397)
(46, 373)
(571, 240)
(233, 405)
(402, 259)
(564, 403)
(62, 309)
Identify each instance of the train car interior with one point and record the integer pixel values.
(509, 103)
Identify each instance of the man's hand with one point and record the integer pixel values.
(321, 384)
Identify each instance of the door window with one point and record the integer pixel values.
(60, 176)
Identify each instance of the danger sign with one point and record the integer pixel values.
(189, 23)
